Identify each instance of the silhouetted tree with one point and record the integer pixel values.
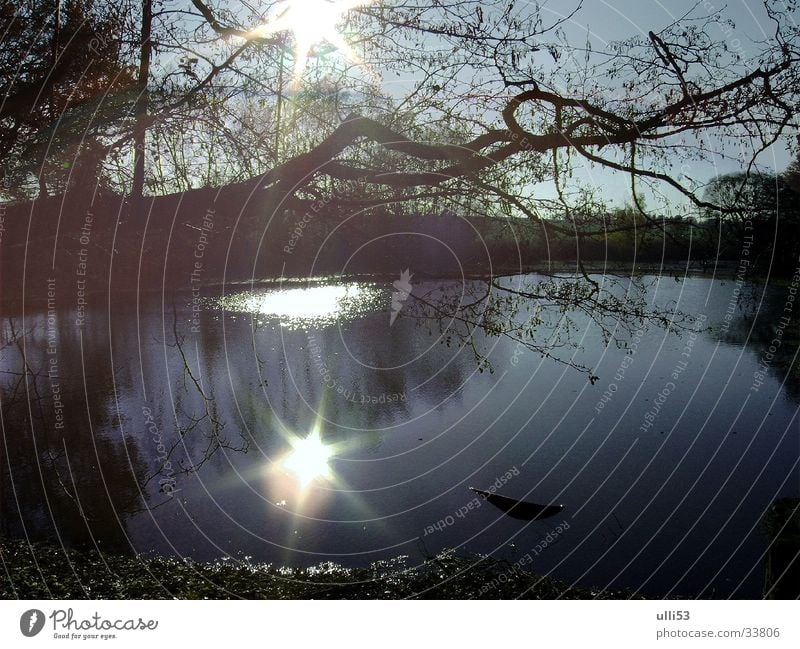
(59, 57)
(762, 210)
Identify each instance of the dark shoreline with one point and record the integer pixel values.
(96, 246)
(46, 571)
(725, 270)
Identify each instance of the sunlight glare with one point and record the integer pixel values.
(308, 459)
(304, 305)
(307, 304)
(312, 22)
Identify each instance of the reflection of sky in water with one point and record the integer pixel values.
(327, 477)
(302, 306)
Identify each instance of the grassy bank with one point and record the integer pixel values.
(48, 572)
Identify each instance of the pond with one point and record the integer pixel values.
(302, 422)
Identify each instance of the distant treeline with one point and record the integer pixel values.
(760, 224)
(209, 235)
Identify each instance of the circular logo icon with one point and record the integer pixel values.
(31, 622)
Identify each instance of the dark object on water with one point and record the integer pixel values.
(519, 508)
(782, 567)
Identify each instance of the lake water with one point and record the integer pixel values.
(325, 433)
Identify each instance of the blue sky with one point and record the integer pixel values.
(603, 21)
(608, 20)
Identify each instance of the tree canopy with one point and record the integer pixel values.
(441, 103)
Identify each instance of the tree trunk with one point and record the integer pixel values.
(56, 33)
(140, 132)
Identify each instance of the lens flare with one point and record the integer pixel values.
(312, 22)
(308, 459)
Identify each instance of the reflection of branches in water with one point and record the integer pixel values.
(215, 439)
(547, 316)
(759, 317)
(16, 340)
(191, 422)
(23, 390)
(29, 378)
(56, 468)
(209, 414)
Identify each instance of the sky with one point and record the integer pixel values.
(603, 21)
(608, 20)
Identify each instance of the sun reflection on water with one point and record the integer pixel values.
(317, 305)
(302, 480)
(308, 459)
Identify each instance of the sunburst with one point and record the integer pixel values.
(309, 458)
(312, 22)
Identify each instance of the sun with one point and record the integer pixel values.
(312, 22)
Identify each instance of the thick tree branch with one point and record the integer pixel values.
(607, 129)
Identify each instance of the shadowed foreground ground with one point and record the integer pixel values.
(48, 572)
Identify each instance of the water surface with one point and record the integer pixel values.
(291, 423)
